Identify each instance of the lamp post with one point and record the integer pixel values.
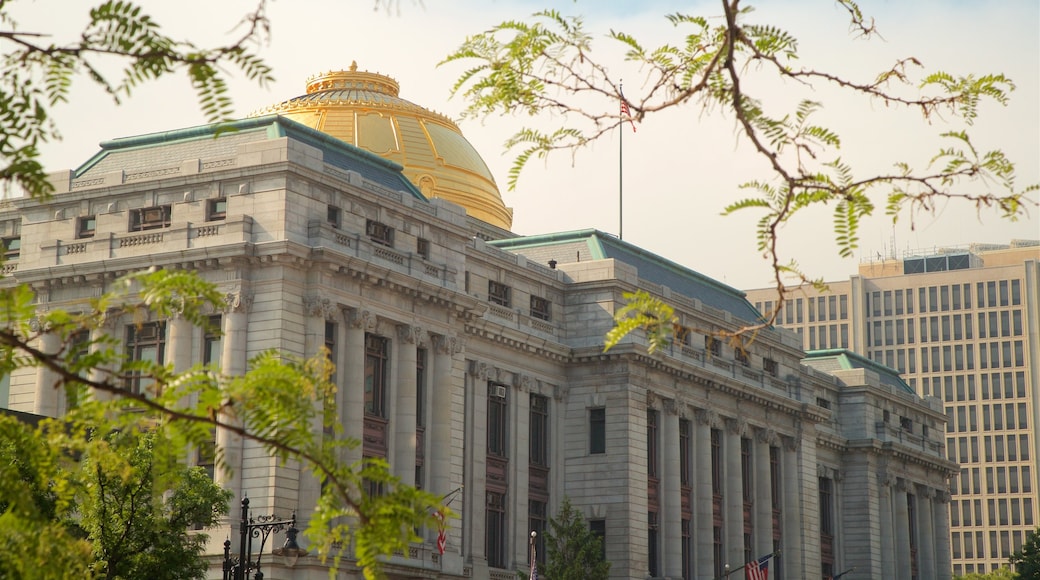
(259, 527)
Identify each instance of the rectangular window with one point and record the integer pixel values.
(150, 218)
(333, 216)
(539, 436)
(599, 529)
(652, 456)
(86, 226)
(422, 247)
(1016, 292)
(379, 233)
(145, 343)
(714, 346)
(12, 248)
(495, 524)
(597, 430)
(499, 293)
(212, 342)
(216, 209)
(685, 432)
(769, 366)
(421, 355)
(741, 354)
(377, 358)
(497, 420)
(540, 308)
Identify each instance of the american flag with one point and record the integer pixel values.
(442, 532)
(758, 569)
(626, 113)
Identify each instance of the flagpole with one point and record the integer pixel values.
(533, 575)
(621, 172)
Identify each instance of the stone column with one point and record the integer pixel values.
(888, 549)
(233, 363)
(47, 395)
(704, 563)
(925, 534)
(902, 532)
(444, 349)
(733, 499)
(180, 343)
(519, 459)
(352, 398)
(791, 512)
(763, 506)
(671, 493)
(404, 420)
(941, 534)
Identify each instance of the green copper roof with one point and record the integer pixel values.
(154, 150)
(842, 359)
(591, 244)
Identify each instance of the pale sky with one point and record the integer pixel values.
(681, 168)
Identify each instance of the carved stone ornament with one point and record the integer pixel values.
(737, 426)
(360, 318)
(903, 485)
(767, 436)
(444, 344)
(707, 417)
(942, 496)
(560, 392)
(927, 492)
(522, 382)
(671, 406)
(320, 306)
(237, 302)
(406, 333)
(479, 370)
(790, 444)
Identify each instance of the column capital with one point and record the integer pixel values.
(927, 492)
(886, 479)
(482, 370)
(736, 426)
(672, 406)
(359, 318)
(320, 306)
(942, 496)
(560, 392)
(410, 334)
(707, 417)
(903, 485)
(790, 443)
(237, 301)
(767, 436)
(446, 344)
(522, 382)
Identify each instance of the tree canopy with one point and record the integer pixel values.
(549, 65)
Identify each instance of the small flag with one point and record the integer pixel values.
(442, 532)
(758, 569)
(626, 113)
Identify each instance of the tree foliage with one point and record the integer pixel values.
(1002, 573)
(1026, 561)
(36, 75)
(98, 445)
(548, 65)
(573, 551)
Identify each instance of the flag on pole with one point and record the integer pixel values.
(442, 532)
(626, 113)
(534, 570)
(758, 569)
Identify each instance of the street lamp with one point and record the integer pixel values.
(259, 527)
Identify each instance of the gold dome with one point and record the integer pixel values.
(363, 109)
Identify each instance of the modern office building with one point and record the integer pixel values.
(472, 358)
(961, 326)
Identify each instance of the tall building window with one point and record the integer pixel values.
(212, 342)
(597, 430)
(652, 543)
(826, 498)
(150, 218)
(539, 434)
(652, 455)
(599, 529)
(495, 529)
(537, 518)
(497, 421)
(687, 549)
(685, 475)
(146, 344)
(499, 293)
(718, 551)
(379, 233)
(420, 417)
(377, 357)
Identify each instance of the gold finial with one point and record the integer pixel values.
(353, 66)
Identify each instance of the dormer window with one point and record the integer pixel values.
(86, 226)
(216, 209)
(380, 233)
(150, 218)
(12, 248)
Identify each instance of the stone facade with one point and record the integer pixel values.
(496, 390)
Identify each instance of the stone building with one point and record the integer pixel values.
(961, 325)
(472, 358)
